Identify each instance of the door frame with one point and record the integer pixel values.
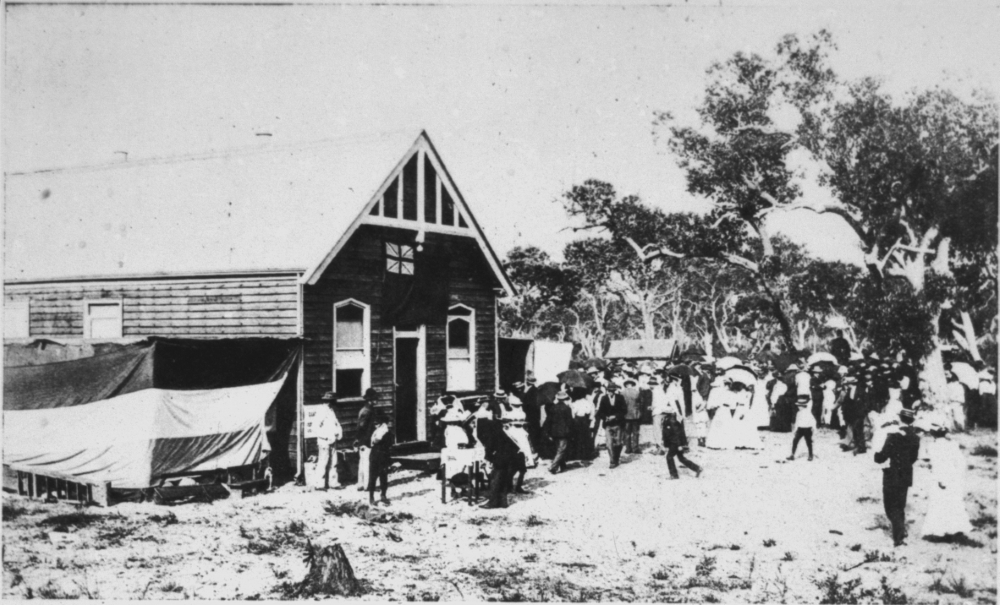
(421, 335)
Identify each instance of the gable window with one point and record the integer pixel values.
(102, 319)
(399, 258)
(16, 319)
(461, 348)
(350, 349)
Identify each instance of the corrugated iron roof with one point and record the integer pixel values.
(641, 349)
(272, 207)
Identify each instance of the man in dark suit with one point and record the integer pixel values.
(840, 348)
(559, 426)
(501, 453)
(901, 450)
(366, 426)
(676, 442)
(528, 394)
(611, 409)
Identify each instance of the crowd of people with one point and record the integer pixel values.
(721, 404)
(873, 402)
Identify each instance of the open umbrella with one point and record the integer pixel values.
(728, 362)
(547, 392)
(575, 378)
(680, 370)
(600, 364)
(966, 374)
(821, 356)
(742, 375)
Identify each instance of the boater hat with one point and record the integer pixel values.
(499, 393)
(517, 384)
(561, 396)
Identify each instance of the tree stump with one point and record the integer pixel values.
(329, 573)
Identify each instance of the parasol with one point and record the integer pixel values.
(822, 356)
(742, 375)
(575, 378)
(966, 374)
(728, 362)
(547, 393)
(680, 370)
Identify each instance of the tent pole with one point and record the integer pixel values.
(299, 395)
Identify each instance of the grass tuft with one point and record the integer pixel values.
(769, 543)
(533, 521)
(955, 585)
(986, 451)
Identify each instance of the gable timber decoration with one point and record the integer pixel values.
(418, 195)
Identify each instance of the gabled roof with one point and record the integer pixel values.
(641, 349)
(263, 209)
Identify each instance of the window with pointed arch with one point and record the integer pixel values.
(351, 367)
(461, 348)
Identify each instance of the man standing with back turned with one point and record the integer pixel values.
(366, 426)
(901, 449)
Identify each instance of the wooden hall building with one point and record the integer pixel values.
(363, 248)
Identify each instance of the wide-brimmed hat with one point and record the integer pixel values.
(371, 394)
(562, 396)
(630, 381)
(518, 384)
(531, 380)
(499, 393)
(593, 370)
(515, 401)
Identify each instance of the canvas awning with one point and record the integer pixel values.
(154, 408)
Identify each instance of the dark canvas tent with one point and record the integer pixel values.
(139, 412)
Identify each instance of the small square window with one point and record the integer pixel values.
(349, 383)
(399, 259)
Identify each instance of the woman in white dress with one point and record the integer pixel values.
(741, 381)
(722, 431)
(946, 514)
(697, 425)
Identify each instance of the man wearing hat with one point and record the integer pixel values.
(528, 394)
(805, 422)
(676, 442)
(901, 449)
(633, 415)
(328, 431)
(611, 410)
(366, 426)
(559, 426)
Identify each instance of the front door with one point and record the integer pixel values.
(406, 389)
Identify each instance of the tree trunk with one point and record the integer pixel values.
(329, 573)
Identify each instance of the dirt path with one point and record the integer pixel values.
(754, 528)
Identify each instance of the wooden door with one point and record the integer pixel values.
(406, 389)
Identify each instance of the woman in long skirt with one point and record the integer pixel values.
(722, 431)
(946, 514)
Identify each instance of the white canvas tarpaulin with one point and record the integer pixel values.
(154, 409)
(550, 358)
(122, 440)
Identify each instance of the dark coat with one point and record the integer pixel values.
(673, 434)
(366, 425)
(612, 410)
(901, 450)
(559, 421)
(532, 411)
(498, 446)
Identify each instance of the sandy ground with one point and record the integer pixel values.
(754, 528)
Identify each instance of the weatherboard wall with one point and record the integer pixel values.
(356, 273)
(183, 308)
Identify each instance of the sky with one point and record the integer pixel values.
(522, 101)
